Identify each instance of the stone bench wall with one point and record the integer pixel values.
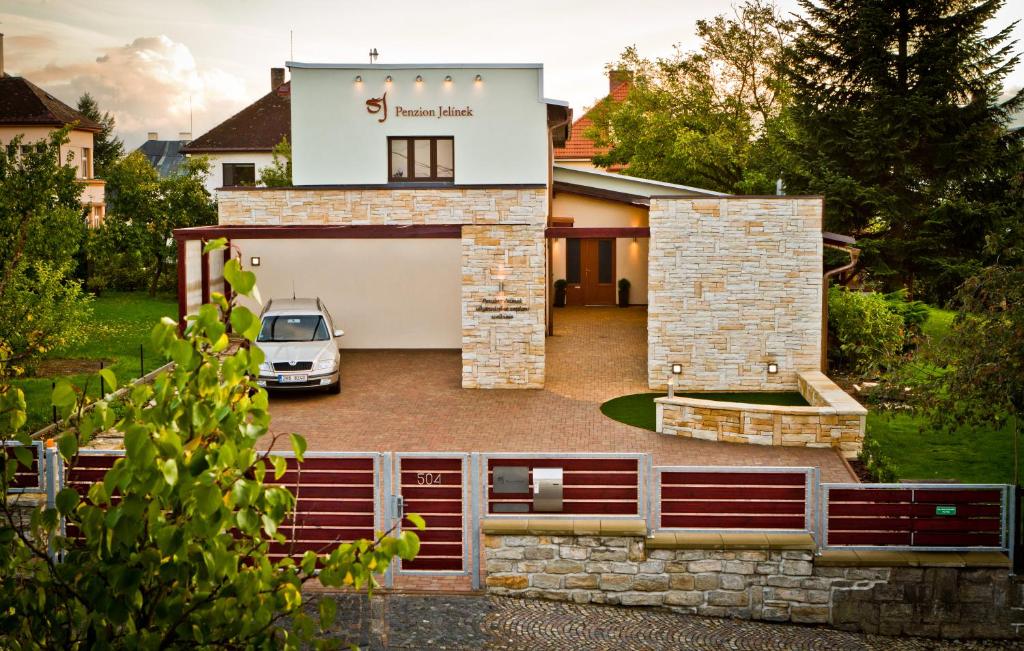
(779, 585)
(834, 419)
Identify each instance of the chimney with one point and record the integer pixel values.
(616, 77)
(185, 136)
(276, 78)
(1, 55)
(153, 135)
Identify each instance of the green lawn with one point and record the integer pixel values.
(120, 323)
(638, 409)
(921, 452)
(936, 327)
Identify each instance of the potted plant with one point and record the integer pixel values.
(560, 286)
(623, 292)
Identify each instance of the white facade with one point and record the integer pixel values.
(498, 122)
(215, 179)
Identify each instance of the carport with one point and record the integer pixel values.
(386, 286)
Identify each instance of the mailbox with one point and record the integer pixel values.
(547, 490)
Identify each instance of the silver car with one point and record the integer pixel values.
(297, 338)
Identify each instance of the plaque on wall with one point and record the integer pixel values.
(511, 479)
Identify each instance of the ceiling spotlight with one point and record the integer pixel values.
(448, 78)
(387, 80)
(359, 79)
(478, 78)
(419, 79)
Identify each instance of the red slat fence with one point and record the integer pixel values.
(434, 487)
(592, 486)
(30, 479)
(734, 499)
(914, 516)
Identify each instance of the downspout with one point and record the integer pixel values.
(854, 254)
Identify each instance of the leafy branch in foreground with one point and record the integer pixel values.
(171, 547)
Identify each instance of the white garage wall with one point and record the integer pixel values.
(384, 293)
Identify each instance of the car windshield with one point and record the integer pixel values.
(293, 327)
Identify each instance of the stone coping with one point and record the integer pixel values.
(817, 388)
(564, 526)
(886, 558)
(825, 396)
(716, 541)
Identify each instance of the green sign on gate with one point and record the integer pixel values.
(943, 509)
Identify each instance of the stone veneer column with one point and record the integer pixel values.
(734, 283)
(503, 350)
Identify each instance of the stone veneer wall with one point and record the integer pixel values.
(734, 283)
(382, 207)
(759, 584)
(500, 352)
(502, 258)
(834, 419)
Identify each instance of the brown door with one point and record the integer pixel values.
(590, 270)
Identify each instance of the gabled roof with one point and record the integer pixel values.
(257, 127)
(578, 146)
(24, 104)
(164, 155)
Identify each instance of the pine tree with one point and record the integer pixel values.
(107, 148)
(901, 128)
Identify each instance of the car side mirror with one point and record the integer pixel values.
(339, 333)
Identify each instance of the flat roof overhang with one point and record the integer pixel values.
(321, 231)
(573, 233)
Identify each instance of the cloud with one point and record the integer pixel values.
(151, 84)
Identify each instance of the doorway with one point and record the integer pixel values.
(590, 271)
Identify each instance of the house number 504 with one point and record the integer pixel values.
(428, 478)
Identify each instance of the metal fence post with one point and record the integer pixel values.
(54, 481)
(475, 500)
(1016, 540)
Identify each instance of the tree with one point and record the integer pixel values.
(171, 545)
(279, 172)
(41, 228)
(107, 147)
(900, 127)
(134, 246)
(710, 118)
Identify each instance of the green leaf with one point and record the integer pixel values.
(67, 500)
(67, 443)
(245, 322)
(241, 282)
(280, 466)
(109, 377)
(170, 470)
(24, 456)
(215, 245)
(64, 395)
(247, 520)
(328, 610)
(298, 446)
(416, 520)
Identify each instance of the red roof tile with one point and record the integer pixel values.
(22, 103)
(578, 145)
(257, 127)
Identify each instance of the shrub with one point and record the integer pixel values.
(913, 313)
(877, 464)
(868, 332)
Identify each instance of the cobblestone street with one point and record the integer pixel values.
(403, 622)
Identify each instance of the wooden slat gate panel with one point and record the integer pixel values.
(727, 499)
(27, 480)
(435, 487)
(915, 516)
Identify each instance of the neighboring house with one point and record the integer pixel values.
(579, 149)
(28, 111)
(165, 156)
(426, 213)
(240, 147)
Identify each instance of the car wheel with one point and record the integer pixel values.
(335, 388)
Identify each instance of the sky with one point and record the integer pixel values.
(185, 65)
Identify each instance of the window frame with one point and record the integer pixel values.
(224, 176)
(411, 158)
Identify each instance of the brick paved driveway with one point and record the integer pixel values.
(412, 401)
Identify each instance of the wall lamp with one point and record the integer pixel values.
(419, 79)
(387, 80)
(773, 368)
(254, 261)
(359, 79)
(677, 369)
(478, 78)
(447, 79)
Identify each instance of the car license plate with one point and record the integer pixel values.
(291, 378)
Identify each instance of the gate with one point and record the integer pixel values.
(435, 486)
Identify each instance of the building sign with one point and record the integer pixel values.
(379, 106)
(502, 307)
(945, 509)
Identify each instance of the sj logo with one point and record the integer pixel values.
(378, 105)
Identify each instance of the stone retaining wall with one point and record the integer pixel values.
(779, 585)
(834, 419)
